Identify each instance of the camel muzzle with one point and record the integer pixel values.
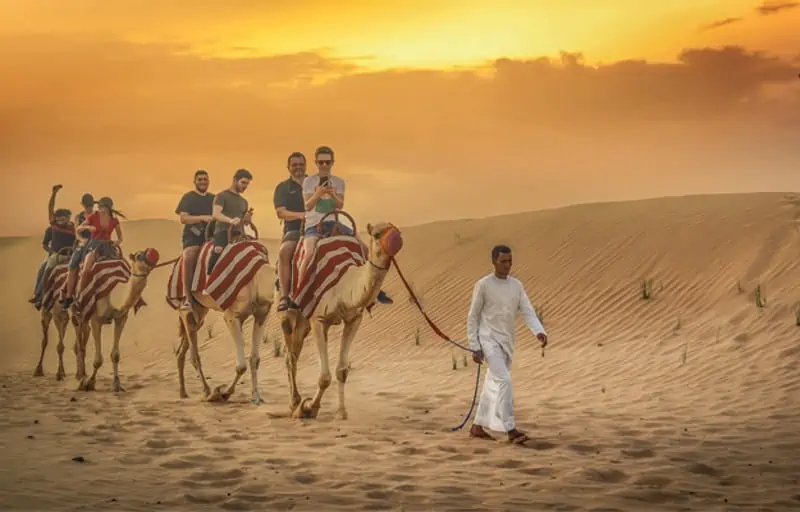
(392, 242)
(150, 256)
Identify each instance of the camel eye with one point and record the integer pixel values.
(377, 236)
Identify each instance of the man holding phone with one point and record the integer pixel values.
(324, 193)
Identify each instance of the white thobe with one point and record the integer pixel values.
(490, 328)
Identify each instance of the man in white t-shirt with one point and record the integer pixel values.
(324, 193)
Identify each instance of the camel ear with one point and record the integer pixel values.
(132, 257)
(369, 228)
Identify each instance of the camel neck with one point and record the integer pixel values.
(136, 286)
(370, 279)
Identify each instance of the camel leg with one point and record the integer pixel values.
(294, 345)
(259, 328)
(181, 359)
(81, 340)
(235, 328)
(119, 326)
(80, 364)
(342, 367)
(97, 334)
(62, 320)
(46, 317)
(320, 333)
(189, 325)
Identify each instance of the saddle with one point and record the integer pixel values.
(236, 266)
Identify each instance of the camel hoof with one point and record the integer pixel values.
(183, 394)
(305, 412)
(38, 372)
(256, 400)
(117, 387)
(217, 395)
(86, 385)
(342, 414)
(61, 375)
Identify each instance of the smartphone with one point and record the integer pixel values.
(323, 181)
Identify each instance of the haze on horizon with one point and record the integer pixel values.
(436, 110)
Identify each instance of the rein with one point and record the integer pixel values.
(445, 338)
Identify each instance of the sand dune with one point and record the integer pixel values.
(685, 401)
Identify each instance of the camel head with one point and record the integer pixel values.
(385, 240)
(143, 262)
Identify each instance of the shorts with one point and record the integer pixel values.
(327, 229)
(291, 236)
(78, 255)
(221, 238)
(192, 240)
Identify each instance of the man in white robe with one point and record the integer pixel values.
(496, 300)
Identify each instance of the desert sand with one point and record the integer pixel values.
(687, 400)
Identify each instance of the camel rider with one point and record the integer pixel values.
(81, 241)
(230, 209)
(291, 209)
(323, 193)
(195, 209)
(100, 224)
(58, 236)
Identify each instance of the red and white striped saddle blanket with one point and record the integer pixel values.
(333, 256)
(99, 282)
(53, 289)
(235, 268)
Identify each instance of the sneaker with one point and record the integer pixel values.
(383, 298)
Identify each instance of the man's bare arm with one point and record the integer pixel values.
(51, 206)
(194, 219)
(219, 217)
(285, 214)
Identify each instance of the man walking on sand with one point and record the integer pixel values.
(496, 300)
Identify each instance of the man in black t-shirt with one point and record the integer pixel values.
(60, 234)
(195, 209)
(291, 209)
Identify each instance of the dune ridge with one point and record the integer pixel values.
(683, 401)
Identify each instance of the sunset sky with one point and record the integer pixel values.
(436, 109)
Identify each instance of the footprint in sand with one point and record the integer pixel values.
(699, 468)
(305, 479)
(655, 481)
(538, 471)
(642, 453)
(583, 449)
(510, 464)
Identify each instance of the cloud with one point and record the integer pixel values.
(720, 23)
(769, 8)
(138, 119)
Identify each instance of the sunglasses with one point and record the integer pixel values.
(324, 162)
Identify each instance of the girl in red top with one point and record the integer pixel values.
(101, 224)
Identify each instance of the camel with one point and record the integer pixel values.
(54, 313)
(105, 312)
(344, 302)
(253, 299)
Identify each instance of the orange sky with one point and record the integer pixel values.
(436, 109)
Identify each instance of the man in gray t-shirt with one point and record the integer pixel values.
(230, 209)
